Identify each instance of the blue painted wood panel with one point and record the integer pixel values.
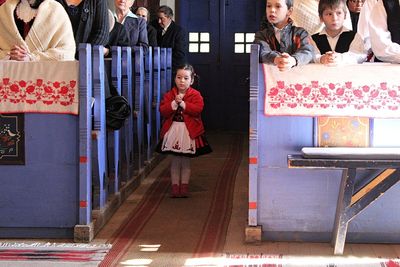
(300, 204)
(43, 192)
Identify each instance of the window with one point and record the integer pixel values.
(243, 42)
(199, 42)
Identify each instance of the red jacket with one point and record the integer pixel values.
(191, 114)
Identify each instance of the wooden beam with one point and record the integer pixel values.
(368, 187)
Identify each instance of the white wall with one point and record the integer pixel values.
(170, 3)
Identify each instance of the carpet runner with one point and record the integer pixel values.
(213, 236)
(215, 224)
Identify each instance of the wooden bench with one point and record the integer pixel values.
(353, 198)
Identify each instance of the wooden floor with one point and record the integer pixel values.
(281, 253)
(166, 247)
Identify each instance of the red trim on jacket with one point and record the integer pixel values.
(191, 114)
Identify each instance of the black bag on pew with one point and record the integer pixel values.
(117, 110)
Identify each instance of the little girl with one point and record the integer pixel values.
(182, 132)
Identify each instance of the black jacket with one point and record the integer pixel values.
(176, 38)
(152, 35)
(93, 25)
(392, 8)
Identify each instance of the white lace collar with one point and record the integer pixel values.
(25, 12)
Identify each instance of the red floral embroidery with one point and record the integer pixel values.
(38, 92)
(177, 146)
(334, 95)
(392, 263)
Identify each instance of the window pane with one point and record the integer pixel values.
(250, 37)
(248, 48)
(239, 37)
(205, 48)
(193, 48)
(204, 37)
(193, 37)
(239, 48)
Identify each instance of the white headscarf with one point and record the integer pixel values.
(25, 12)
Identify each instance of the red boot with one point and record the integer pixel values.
(184, 190)
(175, 190)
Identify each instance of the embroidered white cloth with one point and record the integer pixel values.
(43, 87)
(363, 90)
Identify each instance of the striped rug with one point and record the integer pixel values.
(51, 254)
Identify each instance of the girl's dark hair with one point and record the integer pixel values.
(187, 67)
(325, 4)
(166, 10)
(289, 3)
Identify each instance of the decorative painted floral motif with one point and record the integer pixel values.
(59, 93)
(343, 131)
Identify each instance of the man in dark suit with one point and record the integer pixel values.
(169, 34)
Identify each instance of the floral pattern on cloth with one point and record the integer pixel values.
(177, 139)
(44, 87)
(367, 90)
(32, 92)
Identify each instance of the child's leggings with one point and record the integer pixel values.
(180, 169)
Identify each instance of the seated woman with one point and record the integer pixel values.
(151, 31)
(44, 31)
(136, 26)
(118, 34)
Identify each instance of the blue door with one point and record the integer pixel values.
(220, 34)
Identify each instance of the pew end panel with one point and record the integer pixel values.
(299, 204)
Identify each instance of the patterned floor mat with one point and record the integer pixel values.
(52, 254)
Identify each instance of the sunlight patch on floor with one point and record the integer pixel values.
(276, 260)
(137, 262)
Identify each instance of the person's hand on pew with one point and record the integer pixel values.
(19, 53)
(331, 58)
(285, 62)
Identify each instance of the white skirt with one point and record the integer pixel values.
(177, 139)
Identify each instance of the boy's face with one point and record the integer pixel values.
(355, 5)
(333, 18)
(277, 13)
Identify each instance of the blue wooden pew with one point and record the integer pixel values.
(138, 128)
(148, 103)
(127, 136)
(163, 60)
(299, 204)
(73, 173)
(170, 79)
(156, 94)
(85, 136)
(114, 137)
(99, 163)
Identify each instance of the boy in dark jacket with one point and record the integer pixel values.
(282, 43)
